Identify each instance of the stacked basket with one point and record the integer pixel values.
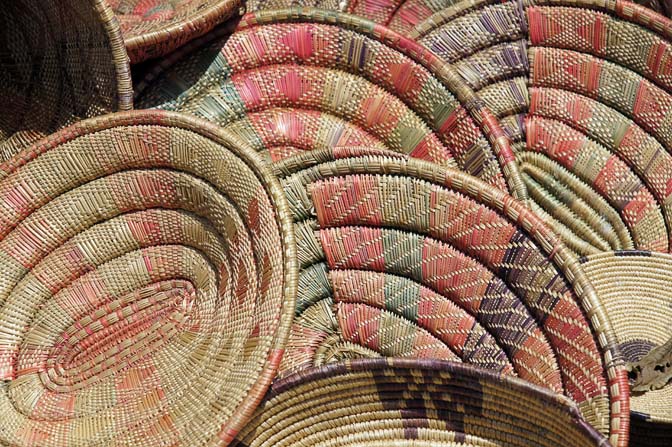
(412, 223)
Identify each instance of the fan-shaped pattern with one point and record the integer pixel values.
(406, 259)
(304, 78)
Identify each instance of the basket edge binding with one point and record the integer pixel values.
(206, 20)
(120, 56)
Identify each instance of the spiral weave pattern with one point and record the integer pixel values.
(147, 288)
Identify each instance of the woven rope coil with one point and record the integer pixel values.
(380, 402)
(636, 290)
(62, 60)
(594, 144)
(153, 28)
(402, 258)
(300, 79)
(147, 284)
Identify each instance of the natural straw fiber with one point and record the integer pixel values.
(404, 258)
(594, 149)
(398, 15)
(62, 60)
(153, 28)
(400, 402)
(487, 43)
(300, 79)
(147, 284)
(635, 288)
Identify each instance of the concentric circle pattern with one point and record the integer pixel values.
(417, 403)
(62, 61)
(146, 286)
(304, 79)
(402, 258)
(583, 90)
(153, 28)
(639, 304)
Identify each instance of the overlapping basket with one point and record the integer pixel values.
(62, 61)
(154, 28)
(303, 79)
(147, 288)
(591, 133)
(382, 402)
(403, 258)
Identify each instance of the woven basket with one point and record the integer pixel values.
(635, 289)
(398, 15)
(594, 148)
(147, 284)
(486, 41)
(300, 79)
(62, 60)
(403, 258)
(153, 28)
(383, 402)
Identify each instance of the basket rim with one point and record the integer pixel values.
(435, 367)
(517, 212)
(215, 13)
(441, 70)
(271, 184)
(452, 12)
(622, 9)
(120, 57)
(601, 262)
(406, 363)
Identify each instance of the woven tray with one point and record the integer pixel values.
(635, 289)
(145, 294)
(403, 258)
(62, 60)
(594, 148)
(400, 402)
(301, 79)
(153, 28)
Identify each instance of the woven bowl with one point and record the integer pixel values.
(401, 402)
(594, 148)
(153, 28)
(62, 60)
(635, 288)
(404, 258)
(147, 284)
(301, 79)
